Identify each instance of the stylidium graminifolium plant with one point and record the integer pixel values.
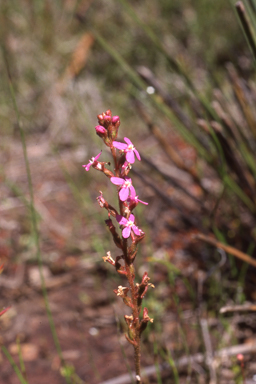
(124, 155)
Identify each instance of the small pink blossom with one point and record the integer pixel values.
(128, 226)
(93, 161)
(126, 186)
(129, 150)
(134, 199)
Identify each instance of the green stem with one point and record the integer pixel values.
(14, 366)
(113, 151)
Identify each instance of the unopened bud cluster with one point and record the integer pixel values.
(124, 155)
(108, 128)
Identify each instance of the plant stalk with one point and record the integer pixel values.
(135, 311)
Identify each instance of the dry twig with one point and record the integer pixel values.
(227, 248)
(238, 308)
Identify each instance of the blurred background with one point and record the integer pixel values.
(181, 76)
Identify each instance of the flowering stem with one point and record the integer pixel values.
(128, 200)
(135, 310)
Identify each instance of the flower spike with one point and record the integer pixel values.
(127, 243)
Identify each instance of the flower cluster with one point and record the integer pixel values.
(127, 193)
(124, 155)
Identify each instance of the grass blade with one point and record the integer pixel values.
(247, 27)
(14, 365)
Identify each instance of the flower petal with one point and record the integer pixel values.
(96, 157)
(126, 232)
(123, 194)
(142, 202)
(132, 192)
(87, 166)
(121, 220)
(136, 230)
(130, 157)
(117, 180)
(120, 146)
(128, 141)
(131, 218)
(137, 154)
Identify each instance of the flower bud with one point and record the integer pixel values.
(104, 118)
(113, 128)
(115, 120)
(100, 118)
(145, 278)
(107, 121)
(145, 320)
(101, 131)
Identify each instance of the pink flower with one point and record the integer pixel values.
(128, 225)
(133, 199)
(93, 161)
(128, 148)
(126, 185)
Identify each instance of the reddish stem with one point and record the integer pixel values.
(135, 310)
(130, 278)
(113, 151)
